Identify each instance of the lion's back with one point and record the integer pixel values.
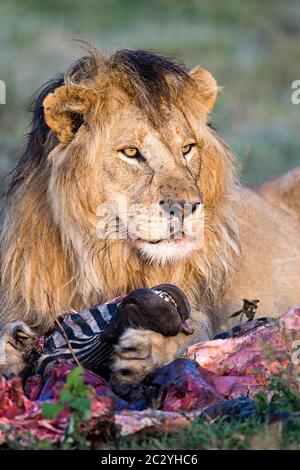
(269, 268)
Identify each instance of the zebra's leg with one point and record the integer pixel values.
(16, 339)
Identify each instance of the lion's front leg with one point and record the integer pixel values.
(16, 338)
(139, 352)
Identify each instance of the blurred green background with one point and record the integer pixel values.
(251, 47)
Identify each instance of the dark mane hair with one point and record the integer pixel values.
(35, 148)
(149, 79)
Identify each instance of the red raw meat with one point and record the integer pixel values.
(242, 366)
(19, 414)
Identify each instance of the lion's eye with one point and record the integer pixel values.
(187, 148)
(130, 152)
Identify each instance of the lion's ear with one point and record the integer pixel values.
(206, 86)
(66, 108)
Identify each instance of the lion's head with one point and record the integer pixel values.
(128, 132)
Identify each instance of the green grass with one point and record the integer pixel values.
(202, 435)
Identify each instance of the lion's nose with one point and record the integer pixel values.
(179, 206)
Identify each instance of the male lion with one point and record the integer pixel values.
(135, 126)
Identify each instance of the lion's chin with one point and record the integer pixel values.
(167, 250)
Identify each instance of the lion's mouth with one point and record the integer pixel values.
(176, 239)
(161, 250)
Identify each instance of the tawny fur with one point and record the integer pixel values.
(52, 259)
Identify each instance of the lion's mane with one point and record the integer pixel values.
(51, 260)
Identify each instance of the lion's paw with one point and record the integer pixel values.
(16, 338)
(138, 353)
